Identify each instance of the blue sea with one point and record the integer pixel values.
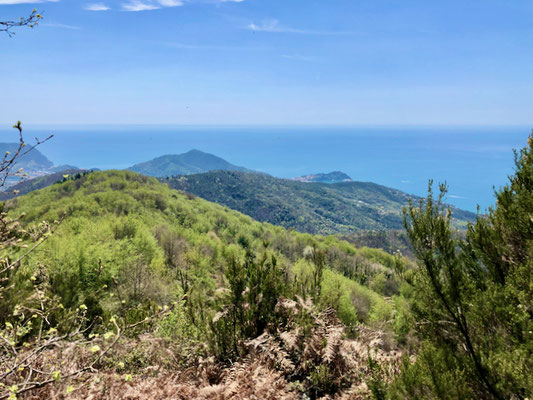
(472, 160)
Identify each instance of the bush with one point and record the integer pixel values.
(472, 297)
(248, 308)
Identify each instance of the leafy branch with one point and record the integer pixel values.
(30, 21)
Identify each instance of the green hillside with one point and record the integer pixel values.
(154, 293)
(192, 162)
(128, 247)
(126, 222)
(307, 207)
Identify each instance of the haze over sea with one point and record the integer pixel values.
(470, 159)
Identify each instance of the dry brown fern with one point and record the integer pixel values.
(315, 360)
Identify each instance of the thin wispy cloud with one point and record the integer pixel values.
(170, 3)
(96, 7)
(217, 2)
(147, 5)
(188, 46)
(7, 2)
(60, 26)
(138, 6)
(273, 26)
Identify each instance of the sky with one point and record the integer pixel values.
(284, 62)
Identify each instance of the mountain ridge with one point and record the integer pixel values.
(316, 208)
(310, 207)
(192, 162)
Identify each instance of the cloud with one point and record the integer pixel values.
(6, 2)
(215, 1)
(52, 24)
(170, 3)
(96, 7)
(136, 5)
(273, 26)
(59, 25)
(146, 5)
(186, 46)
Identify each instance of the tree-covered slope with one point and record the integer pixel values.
(192, 162)
(129, 247)
(307, 207)
(119, 224)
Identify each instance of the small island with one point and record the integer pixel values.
(332, 177)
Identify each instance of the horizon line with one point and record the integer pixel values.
(260, 125)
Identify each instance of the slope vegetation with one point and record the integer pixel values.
(236, 292)
(316, 208)
(119, 221)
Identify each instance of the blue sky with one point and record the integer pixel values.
(313, 62)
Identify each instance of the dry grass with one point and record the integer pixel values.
(283, 365)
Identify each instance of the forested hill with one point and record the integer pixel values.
(192, 162)
(317, 208)
(307, 207)
(122, 221)
(129, 246)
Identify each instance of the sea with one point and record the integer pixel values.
(473, 160)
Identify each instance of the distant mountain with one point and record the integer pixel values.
(336, 208)
(307, 207)
(32, 162)
(332, 177)
(40, 182)
(192, 162)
